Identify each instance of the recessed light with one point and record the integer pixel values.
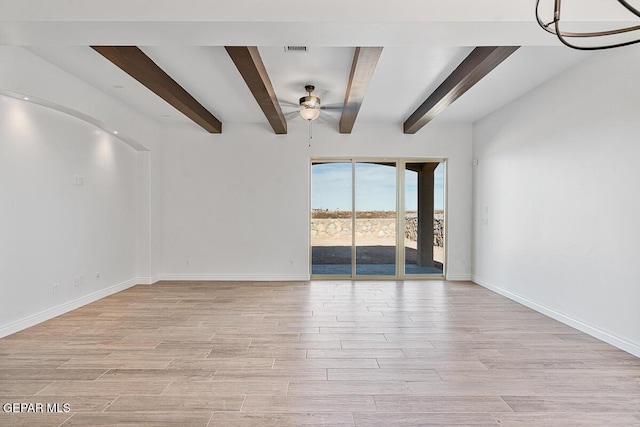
(118, 86)
(25, 98)
(166, 115)
(115, 131)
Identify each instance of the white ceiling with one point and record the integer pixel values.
(423, 40)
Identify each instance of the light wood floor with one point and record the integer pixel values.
(316, 353)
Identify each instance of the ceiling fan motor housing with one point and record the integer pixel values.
(309, 101)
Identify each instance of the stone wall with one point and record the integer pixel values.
(332, 228)
(340, 228)
(411, 229)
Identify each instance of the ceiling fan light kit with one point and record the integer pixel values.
(309, 105)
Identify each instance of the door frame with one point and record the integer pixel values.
(400, 163)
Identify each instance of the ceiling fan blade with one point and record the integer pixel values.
(289, 104)
(333, 107)
(291, 115)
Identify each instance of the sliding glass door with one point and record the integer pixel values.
(358, 229)
(375, 219)
(332, 219)
(424, 218)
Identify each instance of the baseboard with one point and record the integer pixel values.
(238, 277)
(458, 277)
(50, 313)
(621, 343)
(148, 280)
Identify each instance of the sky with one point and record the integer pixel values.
(375, 187)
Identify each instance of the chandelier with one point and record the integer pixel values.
(604, 38)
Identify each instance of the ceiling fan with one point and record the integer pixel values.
(309, 106)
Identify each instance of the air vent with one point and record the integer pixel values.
(296, 49)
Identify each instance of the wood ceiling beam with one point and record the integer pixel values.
(134, 62)
(364, 64)
(480, 62)
(251, 67)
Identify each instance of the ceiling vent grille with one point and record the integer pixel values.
(296, 49)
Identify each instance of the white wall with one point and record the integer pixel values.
(52, 230)
(556, 198)
(236, 205)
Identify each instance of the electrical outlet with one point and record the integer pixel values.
(97, 275)
(77, 282)
(292, 262)
(54, 288)
(187, 262)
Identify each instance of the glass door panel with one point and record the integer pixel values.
(331, 219)
(375, 219)
(424, 218)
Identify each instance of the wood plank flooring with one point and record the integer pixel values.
(336, 353)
